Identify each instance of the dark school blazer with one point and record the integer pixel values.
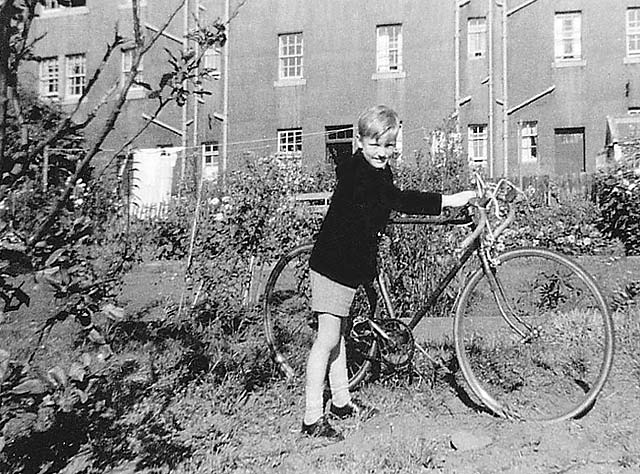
(346, 247)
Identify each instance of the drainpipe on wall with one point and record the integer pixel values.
(456, 51)
(490, 76)
(225, 96)
(196, 45)
(505, 92)
(185, 46)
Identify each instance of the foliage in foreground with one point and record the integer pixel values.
(130, 403)
(618, 195)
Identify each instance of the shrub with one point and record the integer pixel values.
(569, 227)
(618, 195)
(416, 257)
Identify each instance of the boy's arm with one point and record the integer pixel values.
(458, 199)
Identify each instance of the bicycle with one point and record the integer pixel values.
(532, 333)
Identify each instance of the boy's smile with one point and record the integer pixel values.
(377, 151)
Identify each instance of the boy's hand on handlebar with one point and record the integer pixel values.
(458, 199)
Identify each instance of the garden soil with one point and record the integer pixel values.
(418, 430)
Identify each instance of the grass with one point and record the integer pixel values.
(235, 414)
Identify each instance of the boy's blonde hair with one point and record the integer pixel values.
(377, 121)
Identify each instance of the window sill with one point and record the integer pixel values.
(57, 12)
(381, 76)
(299, 81)
(560, 63)
(631, 60)
(70, 100)
(124, 5)
(50, 98)
(135, 93)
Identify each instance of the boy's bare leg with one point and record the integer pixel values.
(327, 339)
(338, 378)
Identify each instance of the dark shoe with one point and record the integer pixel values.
(353, 408)
(322, 428)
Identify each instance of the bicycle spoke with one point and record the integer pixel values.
(556, 370)
(290, 325)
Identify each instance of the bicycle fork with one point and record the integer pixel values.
(506, 311)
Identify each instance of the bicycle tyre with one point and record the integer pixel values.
(290, 325)
(557, 372)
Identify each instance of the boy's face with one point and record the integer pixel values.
(378, 151)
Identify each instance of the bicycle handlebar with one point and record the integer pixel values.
(479, 207)
(433, 220)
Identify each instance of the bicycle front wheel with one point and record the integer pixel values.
(533, 336)
(290, 325)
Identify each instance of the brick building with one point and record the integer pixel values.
(531, 82)
(552, 71)
(76, 34)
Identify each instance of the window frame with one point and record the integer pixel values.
(561, 36)
(55, 4)
(389, 46)
(211, 153)
(336, 135)
(50, 78)
(289, 142)
(290, 60)
(632, 32)
(476, 36)
(125, 70)
(529, 141)
(71, 76)
(475, 137)
(212, 62)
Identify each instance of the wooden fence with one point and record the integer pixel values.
(546, 189)
(552, 190)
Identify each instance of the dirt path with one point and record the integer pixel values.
(447, 436)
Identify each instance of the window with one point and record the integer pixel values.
(49, 77)
(477, 138)
(76, 73)
(210, 153)
(290, 141)
(290, 56)
(210, 160)
(389, 48)
(339, 142)
(476, 37)
(529, 142)
(211, 62)
(53, 4)
(633, 32)
(568, 36)
(127, 62)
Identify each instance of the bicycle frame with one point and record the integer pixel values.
(472, 244)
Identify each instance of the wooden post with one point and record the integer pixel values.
(45, 168)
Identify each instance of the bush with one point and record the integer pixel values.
(618, 195)
(569, 227)
(416, 257)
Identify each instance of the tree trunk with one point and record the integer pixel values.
(5, 36)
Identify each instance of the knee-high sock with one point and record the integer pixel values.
(327, 341)
(338, 378)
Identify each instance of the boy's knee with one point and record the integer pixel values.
(328, 341)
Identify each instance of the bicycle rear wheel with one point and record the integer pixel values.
(559, 363)
(290, 325)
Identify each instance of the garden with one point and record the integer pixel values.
(138, 346)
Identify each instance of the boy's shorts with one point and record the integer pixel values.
(328, 296)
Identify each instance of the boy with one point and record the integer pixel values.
(344, 256)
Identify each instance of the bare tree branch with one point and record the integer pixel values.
(139, 52)
(5, 52)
